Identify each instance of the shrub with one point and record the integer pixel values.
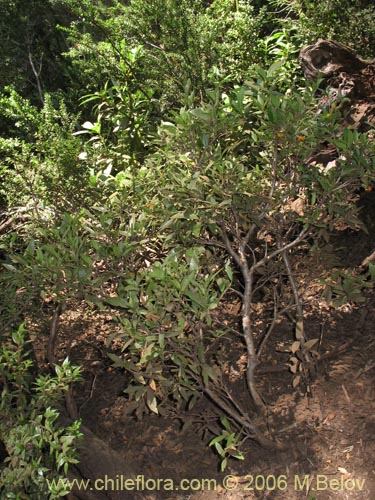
(38, 448)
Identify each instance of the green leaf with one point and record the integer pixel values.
(219, 449)
(92, 299)
(236, 454)
(195, 297)
(372, 271)
(117, 302)
(228, 270)
(225, 423)
(176, 216)
(216, 439)
(274, 68)
(117, 361)
(223, 464)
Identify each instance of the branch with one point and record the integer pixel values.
(51, 358)
(368, 260)
(231, 252)
(290, 245)
(37, 75)
(242, 421)
(11, 220)
(212, 243)
(293, 286)
(270, 328)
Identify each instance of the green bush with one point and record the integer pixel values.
(38, 448)
(226, 186)
(39, 164)
(187, 166)
(347, 21)
(181, 40)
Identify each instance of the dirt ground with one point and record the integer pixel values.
(329, 431)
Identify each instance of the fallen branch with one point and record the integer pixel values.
(368, 260)
(12, 220)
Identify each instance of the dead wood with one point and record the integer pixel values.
(327, 58)
(350, 86)
(368, 260)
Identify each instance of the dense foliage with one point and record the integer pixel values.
(152, 163)
(38, 448)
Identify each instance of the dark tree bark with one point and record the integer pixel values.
(349, 81)
(328, 58)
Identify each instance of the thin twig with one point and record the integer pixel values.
(37, 75)
(290, 245)
(276, 316)
(299, 309)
